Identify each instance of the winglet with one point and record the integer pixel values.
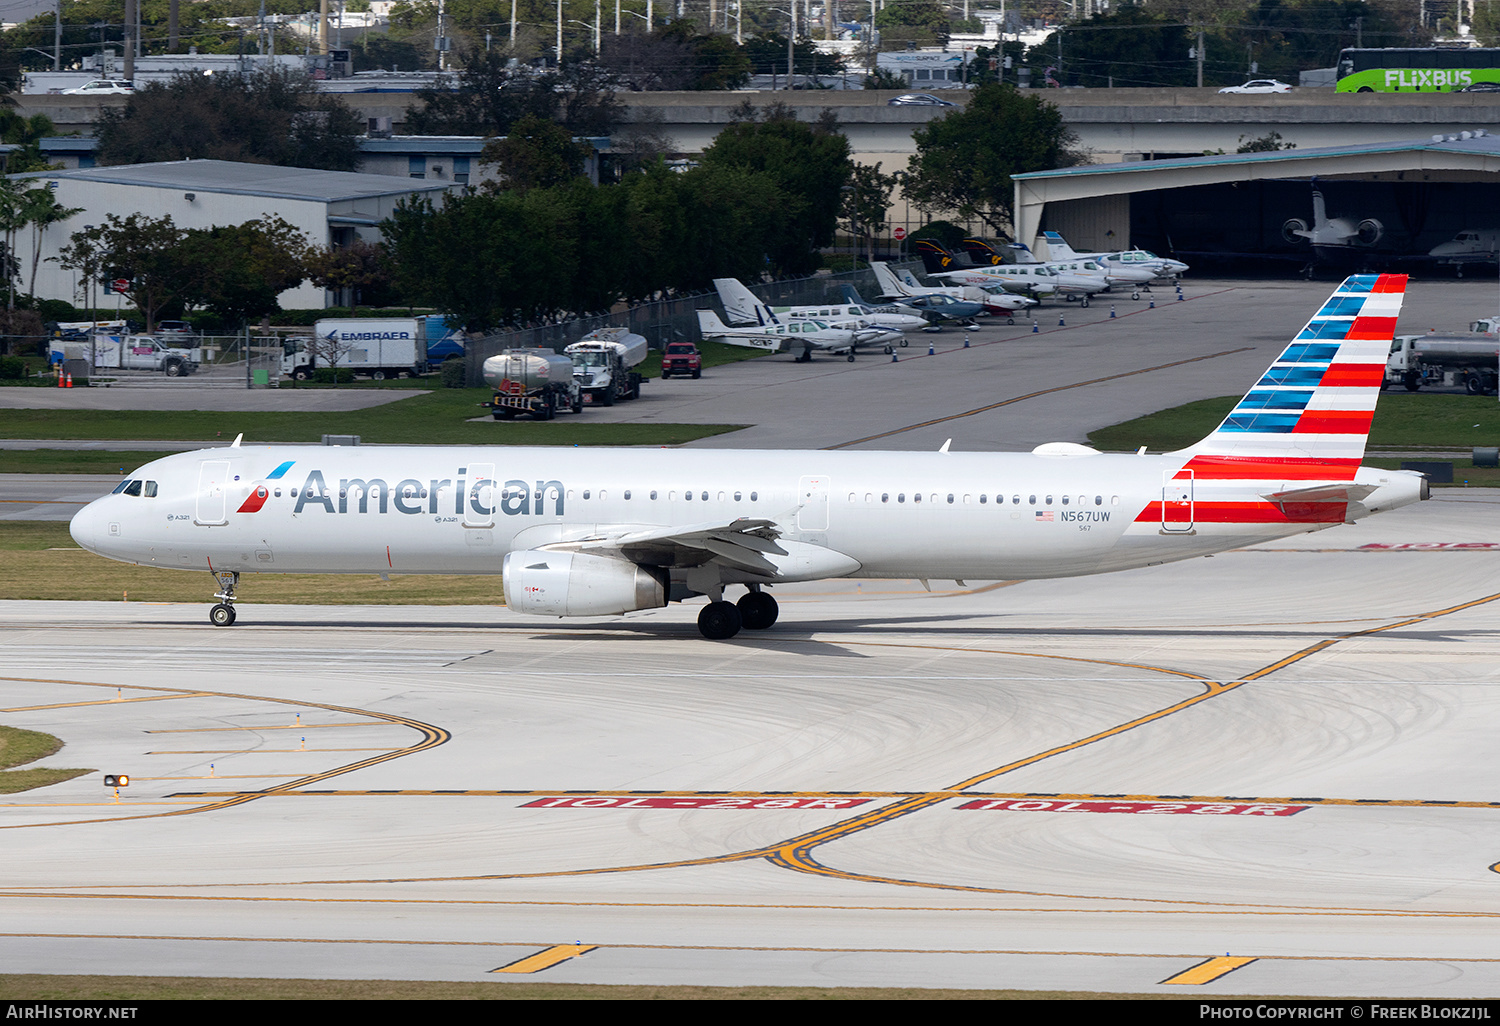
(945, 445)
(236, 443)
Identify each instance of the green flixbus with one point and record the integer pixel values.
(1408, 70)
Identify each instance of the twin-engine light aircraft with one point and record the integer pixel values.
(600, 532)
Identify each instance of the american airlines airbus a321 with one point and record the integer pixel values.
(597, 532)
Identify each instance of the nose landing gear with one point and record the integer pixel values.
(222, 615)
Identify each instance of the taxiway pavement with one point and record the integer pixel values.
(1282, 754)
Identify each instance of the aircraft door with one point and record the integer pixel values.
(213, 483)
(1177, 502)
(483, 496)
(812, 493)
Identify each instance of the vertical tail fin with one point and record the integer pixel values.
(934, 257)
(910, 281)
(1057, 249)
(851, 295)
(889, 287)
(741, 305)
(982, 252)
(1315, 403)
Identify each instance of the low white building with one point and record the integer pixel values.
(332, 208)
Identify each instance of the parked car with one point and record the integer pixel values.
(918, 100)
(102, 87)
(681, 358)
(1258, 85)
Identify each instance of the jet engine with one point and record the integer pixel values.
(1293, 226)
(578, 584)
(1370, 231)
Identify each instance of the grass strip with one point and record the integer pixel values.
(18, 747)
(1402, 420)
(447, 416)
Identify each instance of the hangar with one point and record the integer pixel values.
(1232, 209)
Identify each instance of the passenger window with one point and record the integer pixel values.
(737, 496)
(688, 496)
(653, 493)
(1098, 500)
(1033, 500)
(885, 496)
(627, 495)
(983, 499)
(1065, 500)
(585, 493)
(752, 496)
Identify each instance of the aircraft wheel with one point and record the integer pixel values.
(719, 621)
(1010, 320)
(1135, 295)
(221, 615)
(851, 357)
(889, 350)
(906, 342)
(1085, 303)
(758, 611)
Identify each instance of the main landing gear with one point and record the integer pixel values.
(720, 620)
(222, 615)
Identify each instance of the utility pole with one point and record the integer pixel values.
(57, 39)
(129, 41)
(791, 41)
(1200, 55)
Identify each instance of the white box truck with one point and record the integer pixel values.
(382, 347)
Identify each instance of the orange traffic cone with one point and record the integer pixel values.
(70, 382)
(59, 376)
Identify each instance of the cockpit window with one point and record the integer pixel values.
(150, 489)
(133, 488)
(121, 486)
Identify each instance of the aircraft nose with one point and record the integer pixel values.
(84, 527)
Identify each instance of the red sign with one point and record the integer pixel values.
(120, 285)
(1137, 808)
(627, 802)
(899, 233)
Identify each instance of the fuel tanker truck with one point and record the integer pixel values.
(534, 381)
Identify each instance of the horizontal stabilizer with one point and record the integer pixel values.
(1337, 491)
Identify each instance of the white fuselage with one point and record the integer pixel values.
(459, 510)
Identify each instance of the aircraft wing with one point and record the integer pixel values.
(742, 543)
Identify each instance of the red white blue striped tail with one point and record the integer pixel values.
(1309, 414)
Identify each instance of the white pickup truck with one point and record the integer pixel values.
(131, 352)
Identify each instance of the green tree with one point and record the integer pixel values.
(810, 164)
(361, 270)
(535, 153)
(237, 271)
(964, 161)
(144, 251)
(270, 117)
(490, 96)
(866, 201)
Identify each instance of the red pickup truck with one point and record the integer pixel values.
(681, 358)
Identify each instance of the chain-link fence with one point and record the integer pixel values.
(223, 361)
(667, 320)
